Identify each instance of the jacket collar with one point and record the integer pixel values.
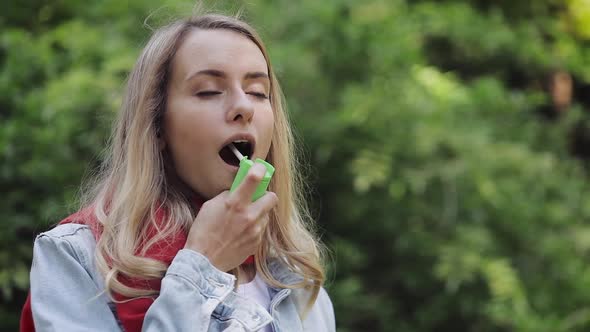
(282, 273)
(250, 314)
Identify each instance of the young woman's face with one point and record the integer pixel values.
(218, 94)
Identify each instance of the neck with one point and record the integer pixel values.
(247, 273)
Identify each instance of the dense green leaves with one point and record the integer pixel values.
(445, 181)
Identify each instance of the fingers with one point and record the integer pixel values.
(264, 205)
(243, 194)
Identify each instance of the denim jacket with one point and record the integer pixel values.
(67, 293)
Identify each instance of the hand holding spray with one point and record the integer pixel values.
(245, 165)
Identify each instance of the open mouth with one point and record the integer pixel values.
(245, 148)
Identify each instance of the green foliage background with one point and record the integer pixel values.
(448, 201)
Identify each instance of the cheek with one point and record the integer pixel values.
(270, 125)
(267, 128)
(187, 136)
(181, 132)
(266, 123)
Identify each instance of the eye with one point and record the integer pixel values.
(258, 95)
(208, 93)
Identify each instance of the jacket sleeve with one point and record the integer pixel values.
(190, 292)
(67, 293)
(64, 297)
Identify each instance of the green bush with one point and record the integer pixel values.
(448, 201)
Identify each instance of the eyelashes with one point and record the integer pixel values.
(209, 94)
(259, 95)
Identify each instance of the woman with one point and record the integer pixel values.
(161, 244)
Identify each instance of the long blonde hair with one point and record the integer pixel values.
(136, 178)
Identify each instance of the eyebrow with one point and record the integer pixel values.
(220, 74)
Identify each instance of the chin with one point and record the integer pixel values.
(213, 192)
(209, 189)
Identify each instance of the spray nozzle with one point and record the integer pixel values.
(236, 151)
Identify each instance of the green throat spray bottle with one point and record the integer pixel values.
(245, 165)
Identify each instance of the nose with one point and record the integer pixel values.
(242, 108)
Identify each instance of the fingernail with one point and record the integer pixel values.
(259, 169)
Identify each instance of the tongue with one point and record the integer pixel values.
(228, 156)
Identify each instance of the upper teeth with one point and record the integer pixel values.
(241, 141)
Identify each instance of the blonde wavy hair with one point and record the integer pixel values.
(137, 179)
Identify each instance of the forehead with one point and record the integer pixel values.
(218, 49)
